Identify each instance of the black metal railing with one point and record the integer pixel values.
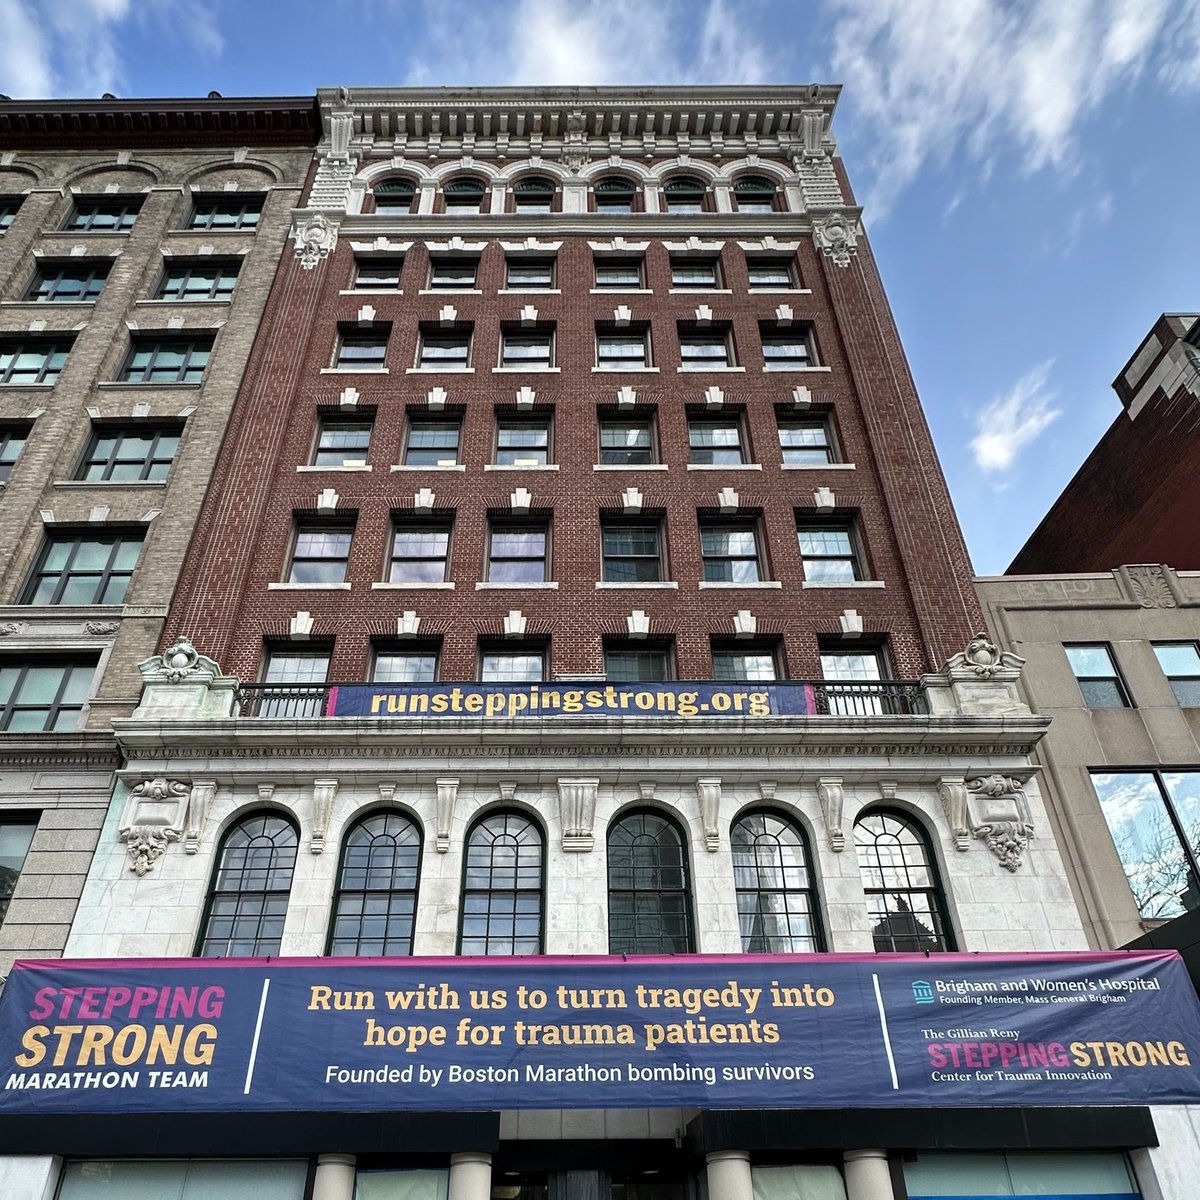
(830, 698)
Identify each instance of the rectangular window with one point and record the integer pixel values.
(518, 553)
(522, 441)
(199, 1179)
(153, 361)
(1154, 818)
(226, 211)
(361, 353)
(31, 362)
(420, 552)
(9, 207)
(637, 664)
(730, 551)
(129, 453)
(453, 273)
(12, 442)
(376, 274)
(529, 273)
(619, 272)
(705, 350)
(203, 280)
(626, 441)
(342, 443)
(829, 554)
(805, 441)
(853, 676)
(16, 834)
(104, 216)
(66, 283)
(1100, 682)
(519, 664)
(715, 441)
(530, 351)
(624, 351)
(320, 553)
(445, 351)
(40, 695)
(784, 351)
(76, 567)
(747, 662)
(301, 676)
(431, 443)
(631, 551)
(1180, 662)
(770, 272)
(413, 664)
(688, 271)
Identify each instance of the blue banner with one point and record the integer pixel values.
(500, 701)
(819, 1031)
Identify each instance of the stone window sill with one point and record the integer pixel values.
(427, 467)
(660, 584)
(354, 371)
(857, 583)
(761, 583)
(426, 585)
(308, 587)
(345, 469)
(724, 466)
(817, 466)
(629, 467)
(521, 467)
(489, 586)
(439, 371)
(109, 483)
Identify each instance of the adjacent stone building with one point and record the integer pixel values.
(140, 240)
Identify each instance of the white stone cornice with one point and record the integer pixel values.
(531, 246)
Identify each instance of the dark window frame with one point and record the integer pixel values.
(12, 434)
(635, 944)
(155, 431)
(76, 537)
(419, 525)
(393, 266)
(309, 526)
(616, 262)
(722, 649)
(48, 275)
(405, 191)
(517, 525)
(535, 185)
(10, 206)
(660, 649)
(519, 262)
(223, 204)
(762, 262)
(9, 886)
(610, 560)
(455, 193)
(1187, 694)
(508, 423)
(429, 419)
(57, 706)
(734, 524)
(430, 338)
(696, 422)
(620, 195)
(308, 698)
(678, 188)
(330, 424)
(855, 555)
(526, 648)
(755, 185)
(377, 343)
(540, 336)
(823, 421)
(632, 333)
(177, 276)
(411, 648)
(185, 373)
(1120, 689)
(54, 354)
(86, 209)
(798, 335)
(711, 335)
(681, 264)
(489, 820)
(444, 263)
(621, 421)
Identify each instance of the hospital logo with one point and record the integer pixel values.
(922, 992)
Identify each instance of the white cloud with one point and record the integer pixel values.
(1009, 422)
(76, 49)
(586, 42)
(931, 79)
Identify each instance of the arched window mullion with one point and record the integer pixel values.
(374, 906)
(649, 890)
(503, 886)
(252, 880)
(901, 882)
(777, 902)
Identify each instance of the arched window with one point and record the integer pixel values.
(777, 903)
(684, 194)
(248, 899)
(649, 897)
(377, 887)
(394, 197)
(900, 879)
(754, 194)
(502, 886)
(534, 194)
(464, 196)
(614, 194)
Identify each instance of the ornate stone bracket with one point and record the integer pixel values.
(324, 793)
(836, 236)
(999, 813)
(182, 682)
(155, 812)
(179, 662)
(203, 793)
(315, 237)
(447, 794)
(832, 795)
(708, 793)
(984, 659)
(952, 791)
(577, 813)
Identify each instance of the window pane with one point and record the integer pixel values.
(417, 666)
(1178, 658)
(636, 665)
(747, 665)
(1094, 661)
(504, 666)
(851, 666)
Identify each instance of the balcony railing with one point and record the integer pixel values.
(819, 697)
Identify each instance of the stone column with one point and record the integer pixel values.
(470, 1177)
(867, 1175)
(729, 1175)
(335, 1177)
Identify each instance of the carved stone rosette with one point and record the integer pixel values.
(315, 238)
(154, 817)
(836, 237)
(998, 811)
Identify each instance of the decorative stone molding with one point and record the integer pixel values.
(447, 315)
(324, 793)
(728, 500)
(200, 801)
(514, 623)
(348, 398)
(101, 628)
(784, 315)
(436, 397)
(526, 397)
(714, 397)
(154, 817)
(704, 315)
(182, 682)
(708, 795)
(447, 794)
(952, 791)
(832, 796)
(836, 236)
(327, 500)
(408, 624)
(529, 315)
(424, 499)
(9, 628)
(638, 624)
(315, 238)
(984, 659)
(622, 315)
(824, 500)
(180, 661)
(626, 396)
(1149, 585)
(577, 813)
(631, 500)
(745, 623)
(300, 626)
(998, 810)
(575, 153)
(851, 623)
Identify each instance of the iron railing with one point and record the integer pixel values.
(864, 698)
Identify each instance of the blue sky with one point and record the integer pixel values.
(1029, 170)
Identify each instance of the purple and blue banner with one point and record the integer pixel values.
(746, 1031)
(500, 701)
